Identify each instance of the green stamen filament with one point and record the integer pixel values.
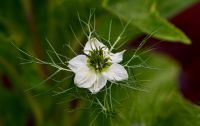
(98, 61)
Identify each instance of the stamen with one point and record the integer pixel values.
(98, 60)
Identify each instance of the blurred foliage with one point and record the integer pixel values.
(145, 15)
(29, 22)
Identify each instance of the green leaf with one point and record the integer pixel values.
(144, 15)
(169, 8)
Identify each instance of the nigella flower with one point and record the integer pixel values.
(97, 66)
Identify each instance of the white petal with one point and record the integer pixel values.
(77, 62)
(99, 84)
(85, 77)
(92, 44)
(117, 57)
(116, 72)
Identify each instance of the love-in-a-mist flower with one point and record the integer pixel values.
(97, 66)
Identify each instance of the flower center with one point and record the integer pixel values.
(97, 60)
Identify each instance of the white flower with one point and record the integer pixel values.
(98, 65)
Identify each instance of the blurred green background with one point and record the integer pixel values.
(28, 23)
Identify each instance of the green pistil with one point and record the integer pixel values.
(97, 60)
